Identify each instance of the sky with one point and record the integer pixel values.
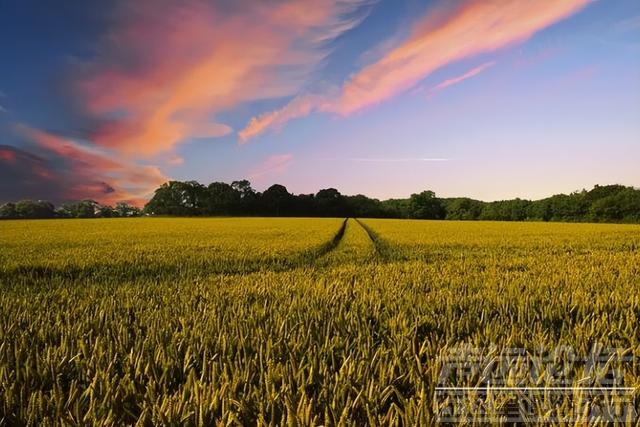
(490, 99)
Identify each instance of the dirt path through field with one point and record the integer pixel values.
(355, 247)
(383, 249)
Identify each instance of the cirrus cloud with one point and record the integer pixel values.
(272, 165)
(458, 79)
(164, 74)
(469, 29)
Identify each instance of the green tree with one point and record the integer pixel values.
(463, 208)
(30, 209)
(540, 210)
(572, 207)
(396, 208)
(107, 212)
(615, 204)
(247, 204)
(178, 198)
(276, 200)
(222, 199)
(81, 209)
(426, 205)
(361, 206)
(124, 209)
(8, 211)
(330, 203)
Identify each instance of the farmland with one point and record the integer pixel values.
(158, 321)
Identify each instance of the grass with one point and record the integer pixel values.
(289, 321)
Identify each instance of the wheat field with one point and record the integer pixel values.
(255, 321)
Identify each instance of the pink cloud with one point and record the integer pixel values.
(455, 80)
(167, 72)
(93, 173)
(478, 27)
(273, 165)
(79, 154)
(300, 106)
(7, 155)
(441, 37)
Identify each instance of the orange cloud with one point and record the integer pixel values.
(165, 76)
(478, 27)
(92, 173)
(301, 106)
(439, 38)
(68, 149)
(455, 80)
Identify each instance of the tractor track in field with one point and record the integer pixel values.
(383, 249)
(333, 243)
(129, 271)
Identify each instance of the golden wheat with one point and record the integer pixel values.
(290, 321)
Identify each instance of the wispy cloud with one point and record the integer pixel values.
(477, 27)
(87, 172)
(470, 29)
(272, 165)
(455, 80)
(164, 72)
(399, 160)
(301, 106)
(167, 73)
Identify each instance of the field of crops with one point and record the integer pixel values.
(157, 321)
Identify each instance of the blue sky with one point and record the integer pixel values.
(466, 98)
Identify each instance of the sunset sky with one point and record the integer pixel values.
(489, 99)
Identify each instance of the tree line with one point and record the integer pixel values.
(609, 203)
(40, 209)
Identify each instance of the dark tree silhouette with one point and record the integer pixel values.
(222, 199)
(276, 201)
(34, 209)
(426, 206)
(329, 202)
(609, 203)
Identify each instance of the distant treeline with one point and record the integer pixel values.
(609, 203)
(40, 209)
